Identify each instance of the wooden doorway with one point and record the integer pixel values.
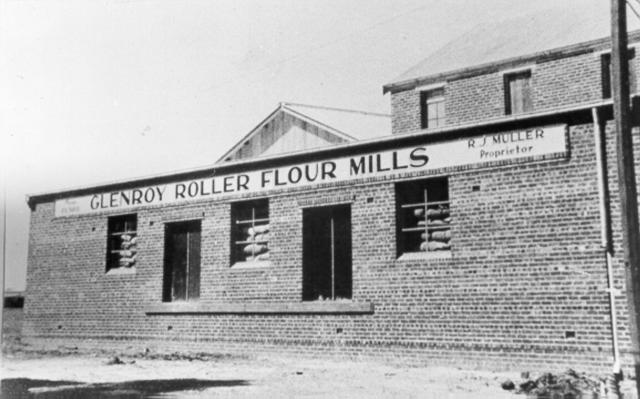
(182, 261)
(326, 253)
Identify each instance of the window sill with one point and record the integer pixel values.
(120, 271)
(315, 307)
(425, 255)
(258, 264)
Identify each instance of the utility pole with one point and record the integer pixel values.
(626, 173)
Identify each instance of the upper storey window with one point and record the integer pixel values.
(432, 108)
(517, 90)
(606, 73)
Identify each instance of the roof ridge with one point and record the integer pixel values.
(335, 109)
(511, 39)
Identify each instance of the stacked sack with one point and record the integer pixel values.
(435, 240)
(128, 250)
(258, 249)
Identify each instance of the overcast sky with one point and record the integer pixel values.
(94, 91)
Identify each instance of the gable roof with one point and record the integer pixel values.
(523, 36)
(317, 126)
(361, 125)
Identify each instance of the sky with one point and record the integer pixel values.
(97, 91)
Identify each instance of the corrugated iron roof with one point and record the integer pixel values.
(348, 125)
(512, 38)
(361, 125)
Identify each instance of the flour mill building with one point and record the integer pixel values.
(481, 228)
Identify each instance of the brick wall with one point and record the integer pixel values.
(555, 83)
(12, 323)
(526, 269)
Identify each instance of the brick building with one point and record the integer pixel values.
(480, 232)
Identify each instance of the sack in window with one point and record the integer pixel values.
(432, 222)
(418, 212)
(248, 232)
(264, 256)
(434, 246)
(254, 249)
(258, 229)
(127, 261)
(262, 237)
(434, 212)
(126, 253)
(126, 237)
(444, 235)
(134, 240)
(437, 235)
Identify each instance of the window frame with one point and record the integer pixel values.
(605, 73)
(527, 102)
(119, 247)
(414, 195)
(237, 233)
(429, 97)
(336, 281)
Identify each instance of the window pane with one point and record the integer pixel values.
(518, 92)
(423, 216)
(121, 241)
(250, 231)
(432, 108)
(606, 73)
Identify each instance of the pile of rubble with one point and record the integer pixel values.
(567, 385)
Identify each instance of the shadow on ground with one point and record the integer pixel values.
(19, 388)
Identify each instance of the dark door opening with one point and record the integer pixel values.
(326, 253)
(181, 261)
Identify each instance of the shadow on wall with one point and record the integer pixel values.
(19, 388)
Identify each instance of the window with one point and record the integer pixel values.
(605, 61)
(326, 253)
(517, 90)
(181, 261)
(424, 219)
(432, 108)
(122, 240)
(250, 231)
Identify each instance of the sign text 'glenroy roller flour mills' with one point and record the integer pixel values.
(529, 143)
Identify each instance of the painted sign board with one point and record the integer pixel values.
(484, 149)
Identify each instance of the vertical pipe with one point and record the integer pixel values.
(604, 233)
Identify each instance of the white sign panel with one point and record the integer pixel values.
(476, 150)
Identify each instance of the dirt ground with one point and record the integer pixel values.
(65, 373)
